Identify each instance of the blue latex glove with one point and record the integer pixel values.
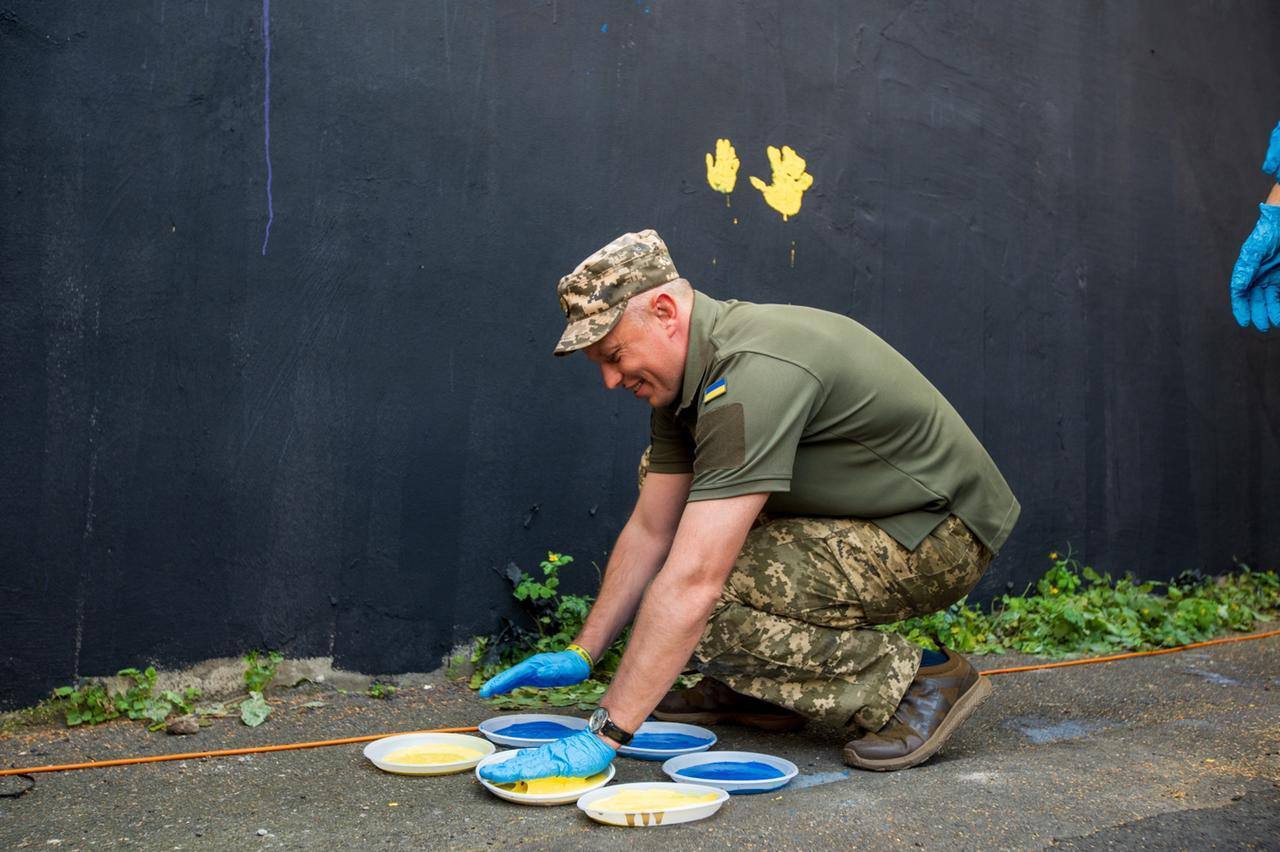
(562, 668)
(1271, 165)
(1255, 281)
(578, 756)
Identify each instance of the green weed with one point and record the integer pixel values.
(91, 704)
(260, 669)
(556, 620)
(377, 689)
(1076, 610)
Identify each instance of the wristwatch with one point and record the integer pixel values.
(600, 723)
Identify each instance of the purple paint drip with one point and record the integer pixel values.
(537, 730)
(266, 114)
(666, 742)
(733, 770)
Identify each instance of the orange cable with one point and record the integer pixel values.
(229, 752)
(1131, 654)
(226, 752)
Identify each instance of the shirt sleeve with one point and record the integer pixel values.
(746, 438)
(671, 444)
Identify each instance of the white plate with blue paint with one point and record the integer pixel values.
(529, 730)
(732, 771)
(663, 740)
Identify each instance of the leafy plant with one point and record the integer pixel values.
(556, 618)
(377, 689)
(92, 704)
(260, 669)
(1077, 610)
(254, 710)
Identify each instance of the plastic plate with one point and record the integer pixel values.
(378, 750)
(536, 799)
(493, 728)
(669, 816)
(786, 769)
(706, 739)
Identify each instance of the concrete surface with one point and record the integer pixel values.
(1172, 752)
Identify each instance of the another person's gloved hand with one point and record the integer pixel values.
(1271, 165)
(1255, 281)
(578, 756)
(563, 668)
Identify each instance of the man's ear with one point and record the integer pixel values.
(665, 310)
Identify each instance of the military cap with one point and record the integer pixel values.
(594, 295)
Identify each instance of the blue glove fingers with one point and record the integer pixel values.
(1259, 261)
(1258, 309)
(505, 681)
(559, 669)
(1272, 163)
(1272, 291)
(578, 756)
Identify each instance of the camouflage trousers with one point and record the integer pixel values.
(793, 624)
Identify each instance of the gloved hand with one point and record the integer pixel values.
(562, 668)
(1255, 281)
(578, 756)
(1271, 165)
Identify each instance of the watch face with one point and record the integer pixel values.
(596, 723)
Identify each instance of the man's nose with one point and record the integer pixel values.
(611, 375)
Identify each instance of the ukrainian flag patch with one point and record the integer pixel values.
(716, 389)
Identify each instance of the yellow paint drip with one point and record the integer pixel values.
(433, 755)
(556, 784)
(629, 801)
(789, 181)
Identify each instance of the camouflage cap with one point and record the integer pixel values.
(594, 295)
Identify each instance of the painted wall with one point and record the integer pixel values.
(322, 438)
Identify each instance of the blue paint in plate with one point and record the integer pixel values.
(537, 730)
(733, 770)
(666, 742)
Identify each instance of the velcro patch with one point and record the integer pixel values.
(721, 439)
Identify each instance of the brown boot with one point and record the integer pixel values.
(710, 702)
(938, 701)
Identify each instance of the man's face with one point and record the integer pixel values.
(641, 357)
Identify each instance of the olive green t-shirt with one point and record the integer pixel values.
(826, 417)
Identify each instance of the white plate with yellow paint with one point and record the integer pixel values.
(544, 791)
(652, 803)
(427, 754)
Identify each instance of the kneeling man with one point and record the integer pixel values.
(803, 482)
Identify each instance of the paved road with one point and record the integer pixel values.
(1172, 752)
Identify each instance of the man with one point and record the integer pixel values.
(1255, 279)
(881, 504)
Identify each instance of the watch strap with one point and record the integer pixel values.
(615, 733)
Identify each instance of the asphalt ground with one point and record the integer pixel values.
(1172, 752)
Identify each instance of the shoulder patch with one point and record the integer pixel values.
(721, 439)
(716, 389)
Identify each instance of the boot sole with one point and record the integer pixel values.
(963, 709)
(772, 724)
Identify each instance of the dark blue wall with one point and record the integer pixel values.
(325, 447)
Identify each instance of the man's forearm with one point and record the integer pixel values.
(668, 628)
(636, 558)
(1274, 197)
(678, 603)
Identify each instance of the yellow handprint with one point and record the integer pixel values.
(722, 170)
(790, 181)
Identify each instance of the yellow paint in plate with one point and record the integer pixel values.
(649, 800)
(435, 754)
(554, 786)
